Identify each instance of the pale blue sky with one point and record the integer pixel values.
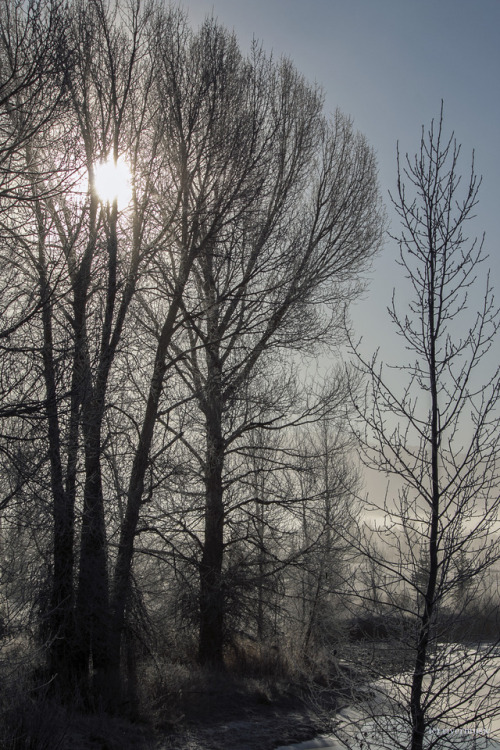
(388, 64)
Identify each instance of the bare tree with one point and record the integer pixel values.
(249, 165)
(269, 289)
(433, 427)
(329, 482)
(249, 221)
(213, 148)
(32, 98)
(85, 254)
(257, 289)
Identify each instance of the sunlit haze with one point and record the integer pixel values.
(113, 181)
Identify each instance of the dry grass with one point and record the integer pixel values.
(31, 718)
(255, 702)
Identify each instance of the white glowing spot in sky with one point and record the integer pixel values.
(113, 181)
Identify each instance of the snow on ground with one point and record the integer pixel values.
(368, 742)
(358, 732)
(373, 727)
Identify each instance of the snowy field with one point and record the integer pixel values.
(372, 727)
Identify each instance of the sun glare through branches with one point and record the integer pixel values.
(112, 181)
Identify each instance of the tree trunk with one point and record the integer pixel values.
(211, 636)
(93, 591)
(93, 609)
(259, 514)
(61, 622)
(123, 567)
(416, 709)
(211, 639)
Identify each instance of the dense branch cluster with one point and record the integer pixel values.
(150, 395)
(170, 472)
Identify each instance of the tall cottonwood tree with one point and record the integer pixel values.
(32, 98)
(215, 145)
(87, 254)
(249, 133)
(435, 429)
(250, 214)
(111, 85)
(276, 282)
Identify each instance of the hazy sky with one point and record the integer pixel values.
(388, 64)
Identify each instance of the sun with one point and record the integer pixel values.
(112, 181)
